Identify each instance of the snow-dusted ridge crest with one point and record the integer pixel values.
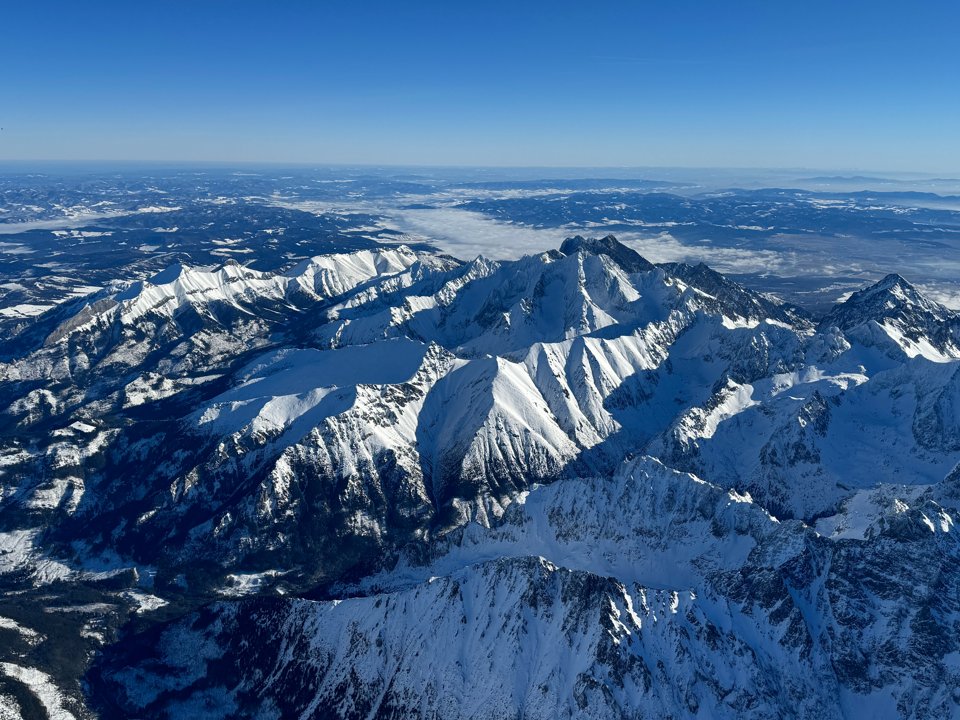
(180, 286)
(751, 502)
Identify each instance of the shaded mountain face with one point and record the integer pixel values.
(663, 595)
(644, 489)
(629, 260)
(895, 314)
(722, 288)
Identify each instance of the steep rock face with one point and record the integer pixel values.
(630, 260)
(648, 594)
(731, 294)
(936, 421)
(489, 654)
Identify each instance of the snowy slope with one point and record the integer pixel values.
(446, 389)
(364, 422)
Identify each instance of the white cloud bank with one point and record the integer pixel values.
(466, 234)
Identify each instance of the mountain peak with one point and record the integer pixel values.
(903, 313)
(889, 295)
(894, 284)
(168, 274)
(630, 260)
(890, 281)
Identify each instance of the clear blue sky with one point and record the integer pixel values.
(843, 84)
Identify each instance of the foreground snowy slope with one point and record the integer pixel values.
(645, 595)
(367, 421)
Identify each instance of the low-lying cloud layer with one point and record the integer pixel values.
(466, 234)
(853, 261)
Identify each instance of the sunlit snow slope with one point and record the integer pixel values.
(572, 485)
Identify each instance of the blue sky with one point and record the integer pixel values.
(845, 85)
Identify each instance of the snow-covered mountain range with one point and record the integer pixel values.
(577, 484)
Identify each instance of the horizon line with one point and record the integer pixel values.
(470, 166)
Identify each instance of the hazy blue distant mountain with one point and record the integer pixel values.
(850, 179)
